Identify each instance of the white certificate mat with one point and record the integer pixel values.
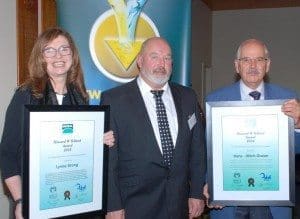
(64, 160)
(250, 153)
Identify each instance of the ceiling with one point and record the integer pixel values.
(217, 5)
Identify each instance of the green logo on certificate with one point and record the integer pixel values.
(67, 128)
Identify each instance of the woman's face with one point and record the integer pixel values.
(58, 56)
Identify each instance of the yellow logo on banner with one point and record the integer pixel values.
(125, 53)
(116, 38)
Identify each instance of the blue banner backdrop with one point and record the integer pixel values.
(109, 33)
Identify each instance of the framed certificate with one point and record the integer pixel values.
(250, 149)
(65, 161)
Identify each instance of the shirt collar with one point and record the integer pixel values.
(247, 90)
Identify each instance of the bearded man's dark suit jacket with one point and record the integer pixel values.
(232, 93)
(139, 182)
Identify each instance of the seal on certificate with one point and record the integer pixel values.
(250, 182)
(67, 194)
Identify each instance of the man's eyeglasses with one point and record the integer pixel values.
(50, 52)
(258, 60)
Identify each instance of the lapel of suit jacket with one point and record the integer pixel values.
(236, 94)
(178, 106)
(267, 93)
(137, 102)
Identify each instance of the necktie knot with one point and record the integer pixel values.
(255, 94)
(157, 93)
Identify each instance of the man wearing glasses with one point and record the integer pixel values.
(252, 63)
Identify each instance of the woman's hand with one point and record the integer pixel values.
(109, 139)
(14, 185)
(18, 211)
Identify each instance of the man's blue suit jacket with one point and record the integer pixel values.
(232, 93)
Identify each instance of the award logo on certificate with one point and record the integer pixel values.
(250, 153)
(65, 169)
